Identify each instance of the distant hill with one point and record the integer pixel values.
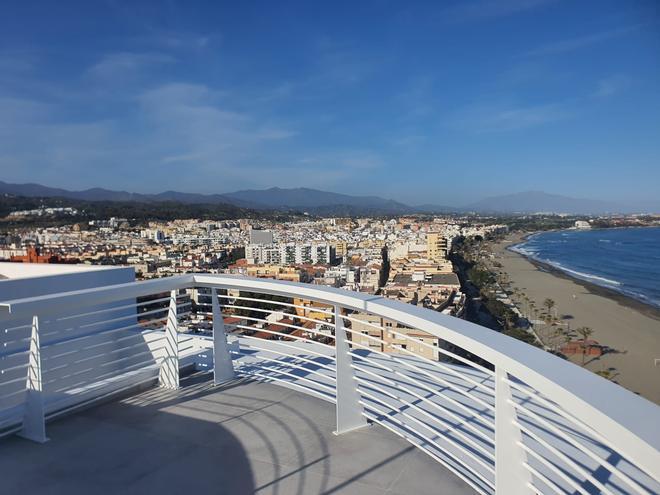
(304, 198)
(311, 200)
(94, 194)
(541, 202)
(99, 209)
(327, 203)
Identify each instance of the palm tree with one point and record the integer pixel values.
(549, 303)
(585, 333)
(557, 337)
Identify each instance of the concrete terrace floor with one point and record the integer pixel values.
(242, 437)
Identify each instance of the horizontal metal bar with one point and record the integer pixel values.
(441, 381)
(259, 310)
(142, 364)
(408, 427)
(311, 309)
(572, 463)
(280, 372)
(285, 344)
(467, 410)
(287, 325)
(579, 446)
(286, 335)
(555, 469)
(442, 409)
(125, 306)
(488, 454)
(544, 479)
(295, 386)
(54, 303)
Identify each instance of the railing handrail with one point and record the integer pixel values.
(628, 421)
(53, 303)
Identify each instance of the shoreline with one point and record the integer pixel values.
(628, 328)
(620, 297)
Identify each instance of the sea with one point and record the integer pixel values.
(626, 260)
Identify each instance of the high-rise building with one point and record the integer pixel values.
(436, 246)
(341, 248)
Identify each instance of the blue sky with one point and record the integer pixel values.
(423, 102)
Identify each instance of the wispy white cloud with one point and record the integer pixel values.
(195, 120)
(571, 44)
(205, 137)
(39, 147)
(169, 126)
(126, 64)
(499, 118)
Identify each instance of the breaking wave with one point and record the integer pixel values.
(625, 265)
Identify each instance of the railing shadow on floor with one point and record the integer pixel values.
(198, 437)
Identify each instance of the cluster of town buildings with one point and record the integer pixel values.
(44, 212)
(404, 259)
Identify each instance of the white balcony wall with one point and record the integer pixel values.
(68, 362)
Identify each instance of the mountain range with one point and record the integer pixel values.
(330, 203)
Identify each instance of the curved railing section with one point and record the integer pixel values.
(504, 416)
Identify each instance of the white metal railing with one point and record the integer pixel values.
(504, 416)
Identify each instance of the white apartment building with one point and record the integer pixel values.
(289, 254)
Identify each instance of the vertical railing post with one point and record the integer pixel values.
(34, 419)
(169, 368)
(349, 410)
(223, 367)
(511, 476)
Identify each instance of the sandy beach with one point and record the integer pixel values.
(631, 328)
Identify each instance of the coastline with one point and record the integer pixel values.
(618, 296)
(628, 327)
(599, 290)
